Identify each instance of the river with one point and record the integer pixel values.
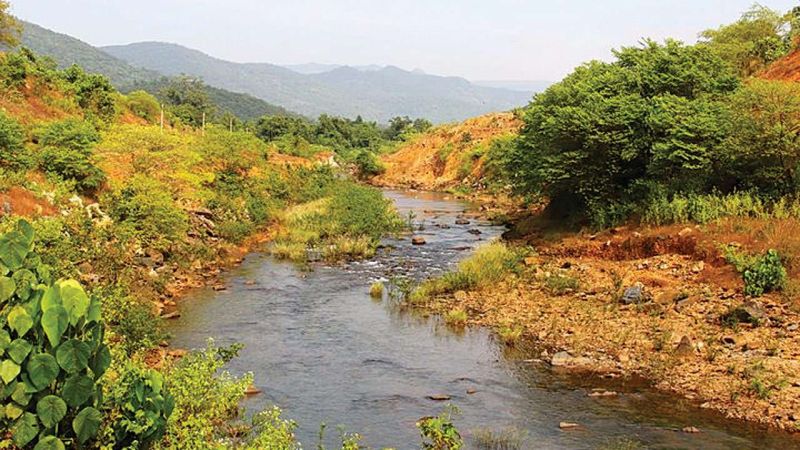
(324, 351)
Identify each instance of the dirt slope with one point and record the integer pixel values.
(786, 68)
(448, 155)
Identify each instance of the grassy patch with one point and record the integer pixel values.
(505, 439)
(489, 264)
(560, 284)
(456, 317)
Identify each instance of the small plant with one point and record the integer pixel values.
(761, 274)
(510, 333)
(376, 290)
(439, 433)
(456, 317)
(559, 284)
(505, 439)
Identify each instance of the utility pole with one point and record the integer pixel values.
(231, 124)
(204, 123)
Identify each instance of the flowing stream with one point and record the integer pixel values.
(324, 351)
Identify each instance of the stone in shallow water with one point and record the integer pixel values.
(439, 397)
(418, 240)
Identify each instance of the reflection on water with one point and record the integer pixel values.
(323, 351)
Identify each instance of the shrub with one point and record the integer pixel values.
(66, 151)
(205, 398)
(140, 406)
(13, 154)
(761, 274)
(560, 284)
(144, 105)
(767, 274)
(439, 433)
(505, 439)
(270, 432)
(52, 338)
(456, 317)
(368, 165)
(146, 206)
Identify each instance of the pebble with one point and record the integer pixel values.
(568, 425)
(438, 397)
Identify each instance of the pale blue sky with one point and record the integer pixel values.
(477, 39)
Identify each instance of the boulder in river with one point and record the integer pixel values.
(418, 240)
(568, 425)
(439, 397)
(462, 221)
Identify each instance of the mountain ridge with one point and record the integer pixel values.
(345, 91)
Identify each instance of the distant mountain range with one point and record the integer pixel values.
(373, 92)
(66, 51)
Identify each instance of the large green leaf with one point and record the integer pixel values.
(5, 341)
(19, 320)
(77, 389)
(49, 443)
(18, 350)
(42, 370)
(13, 249)
(75, 300)
(100, 361)
(7, 288)
(73, 355)
(13, 411)
(86, 423)
(25, 429)
(9, 371)
(19, 395)
(54, 322)
(51, 297)
(95, 312)
(51, 410)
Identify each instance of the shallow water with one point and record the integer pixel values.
(323, 351)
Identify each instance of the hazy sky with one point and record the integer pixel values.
(477, 39)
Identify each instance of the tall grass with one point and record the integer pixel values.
(711, 207)
(489, 264)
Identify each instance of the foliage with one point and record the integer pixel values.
(67, 151)
(488, 264)
(368, 165)
(147, 207)
(144, 105)
(439, 433)
(13, 154)
(140, 406)
(205, 398)
(654, 116)
(401, 127)
(94, 92)
(505, 439)
(758, 38)
(761, 274)
(188, 101)
(9, 27)
(52, 339)
(270, 432)
(763, 151)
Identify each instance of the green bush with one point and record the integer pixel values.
(767, 274)
(54, 354)
(363, 211)
(439, 433)
(761, 274)
(140, 406)
(146, 206)
(67, 151)
(205, 398)
(13, 154)
(368, 165)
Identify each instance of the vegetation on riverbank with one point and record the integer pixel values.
(132, 213)
(661, 198)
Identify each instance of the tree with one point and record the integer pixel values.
(592, 142)
(764, 148)
(750, 44)
(10, 28)
(188, 100)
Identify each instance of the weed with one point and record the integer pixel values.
(505, 439)
(456, 317)
(439, 433)
(560, 284)
(376, 290)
